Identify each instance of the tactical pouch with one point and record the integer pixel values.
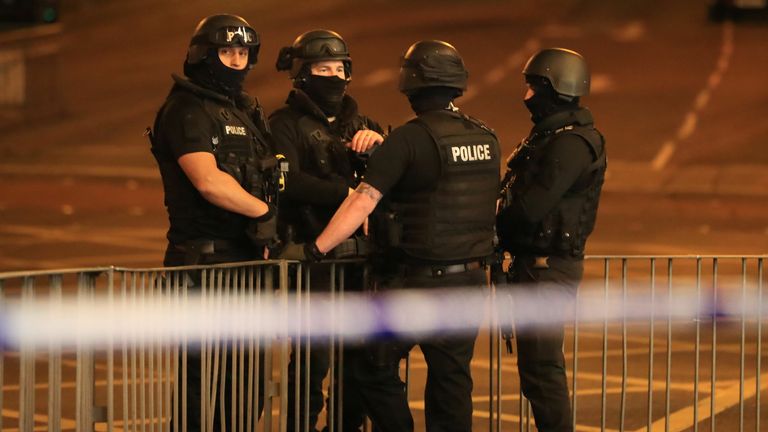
(228, 162)
(194, 254)
(393, 229)
(547, 233)
(355, 246)
(385, 228)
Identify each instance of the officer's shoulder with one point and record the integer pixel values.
(283, 111)
(408, 130)
(570, 143)
(476, 122)
(182, 102)
(283, 115)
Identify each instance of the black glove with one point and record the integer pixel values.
(262, 231)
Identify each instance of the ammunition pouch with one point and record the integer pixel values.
(387, 229)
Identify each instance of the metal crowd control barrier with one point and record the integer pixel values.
(133, 386)
(660, 373)
(656, 373)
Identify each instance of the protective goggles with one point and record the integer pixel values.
(325, 47)
(228, 36)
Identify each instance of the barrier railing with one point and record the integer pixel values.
(656, 343)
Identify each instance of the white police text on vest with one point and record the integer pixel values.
(470, 153)
(235, 130)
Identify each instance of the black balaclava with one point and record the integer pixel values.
(432, 98)
(214, 75)
(325, 91)
(545, 101)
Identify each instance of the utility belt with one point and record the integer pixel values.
(440, 270)
(194, 250)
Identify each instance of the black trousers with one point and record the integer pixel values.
(352, 411)
(448, 393)
(540, 358)
(220, 395)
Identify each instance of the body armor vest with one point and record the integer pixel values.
(564, 230)
(329, 154)
(239, 144)
(454, 221)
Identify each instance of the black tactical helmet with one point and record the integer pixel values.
(566, 70)
(217, 31)
(311, 47)
(432, 63)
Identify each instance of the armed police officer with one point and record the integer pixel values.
(210, 142)
(434, 229)
(550, 196)
(325, 141)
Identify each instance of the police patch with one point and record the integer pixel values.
(471, 153)
(235, 130)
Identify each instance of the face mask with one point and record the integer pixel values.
(229, 80)
(538, 105)
(326, 91)
(545, 101)
(214, 75)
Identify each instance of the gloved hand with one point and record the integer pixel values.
(262, 231)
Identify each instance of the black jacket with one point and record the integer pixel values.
(196, 119)
(553, 186)
(321, 168)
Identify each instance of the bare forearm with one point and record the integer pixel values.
(218, 187)
(223, 191)
(348, 218)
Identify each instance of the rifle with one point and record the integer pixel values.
(269, 180)
(502, 277)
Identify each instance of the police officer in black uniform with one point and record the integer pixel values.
(210, 142)
(440, 175)
(325, 141)
(550, 196)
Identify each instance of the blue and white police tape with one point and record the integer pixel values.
(162, 319)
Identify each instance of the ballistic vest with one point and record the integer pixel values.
(329, 154)
(238, 143)
(564, 230)
(455, 220)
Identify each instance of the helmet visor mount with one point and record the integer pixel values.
(231, 36)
